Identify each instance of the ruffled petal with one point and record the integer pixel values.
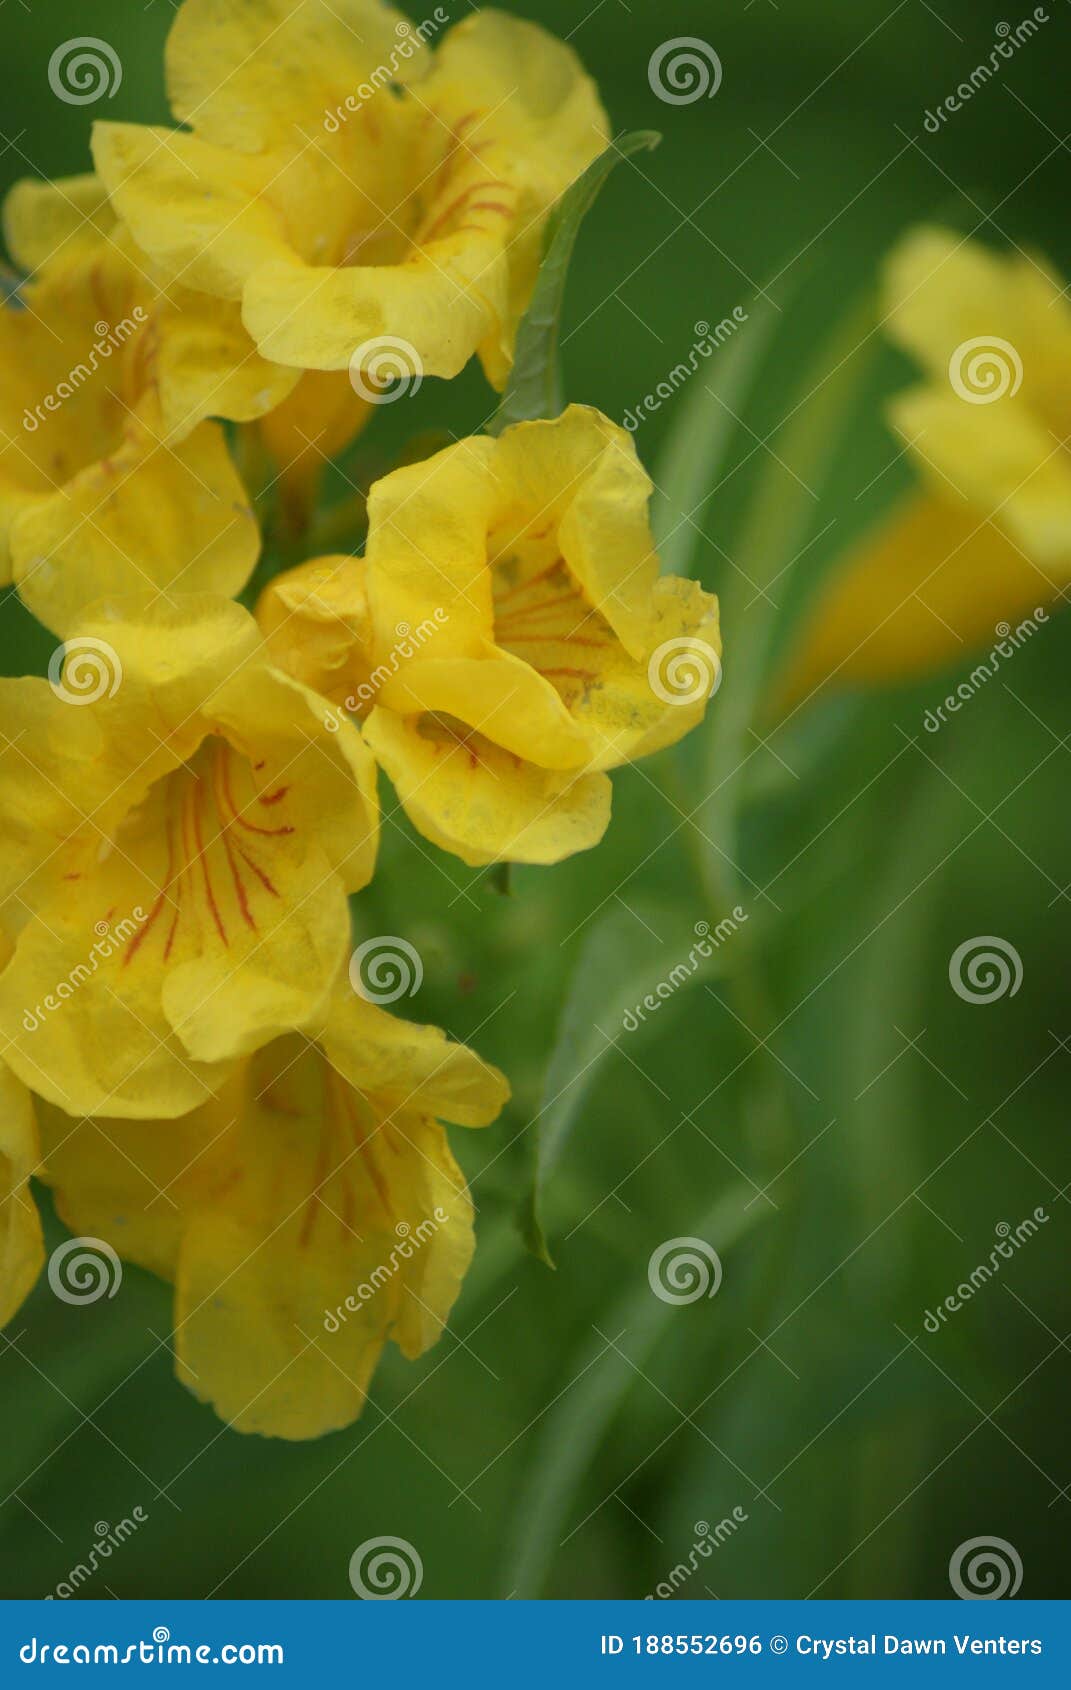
(207, 366)
(315, 622)
(481, 802)
(197, 210)
(47, 220)
(243, 71)
(175, 518)
(408, 1066)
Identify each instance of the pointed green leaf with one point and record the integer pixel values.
(534, 388)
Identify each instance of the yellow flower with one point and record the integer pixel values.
(22, 1250)
(348, 183)
(508, 636)
(987, 537)
(306, 1215)
(179, 830)
(111, 478)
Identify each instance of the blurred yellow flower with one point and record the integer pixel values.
(987, 537)
(507, 637)
(180, 833)
(347, 183)
(111, 478)
(307, 1214)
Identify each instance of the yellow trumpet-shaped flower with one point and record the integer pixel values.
(111, 477)
(179, 830)
(22, 1250)
(987, 537)
(307, 1214)
(350, 183)
(507, 637)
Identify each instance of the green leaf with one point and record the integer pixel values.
(692, 460)
(622, 960)
(534, 389)
(781, 517)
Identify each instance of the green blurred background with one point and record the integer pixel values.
(843, 1128)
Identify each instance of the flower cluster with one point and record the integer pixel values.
(215, 1100)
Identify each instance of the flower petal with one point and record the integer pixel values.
(175, 518)
(922, 590)
(243, 71)
(481, 802)
(408, 1066)
(196, 209)
(1001, 458)
(207, 366)
(943, 294)
(46, 220)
